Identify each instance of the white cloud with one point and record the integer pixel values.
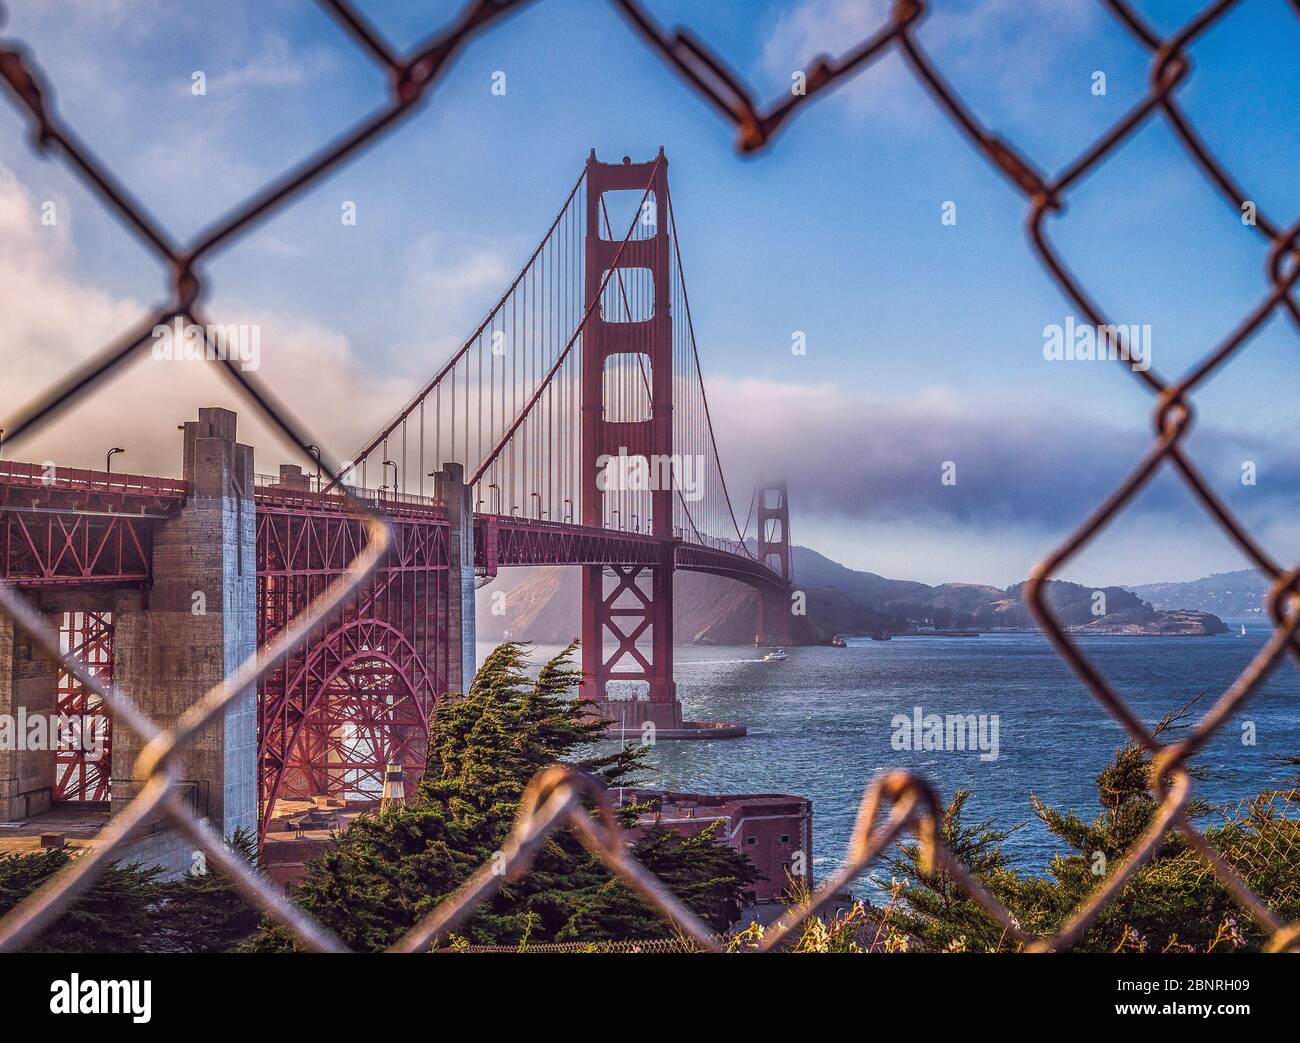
(447, 292)
(858, 456)
(275, 65)
(864, 472)
(50, 320)
(1007, 42)
(813, 28)
(446, 285)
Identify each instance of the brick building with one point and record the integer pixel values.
(773, 829)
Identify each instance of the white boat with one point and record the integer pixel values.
(776, 655)
(1243, 630)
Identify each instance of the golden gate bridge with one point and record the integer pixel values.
(571, 427)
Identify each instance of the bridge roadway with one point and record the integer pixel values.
(79, 527)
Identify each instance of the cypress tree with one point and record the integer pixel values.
(388, 870)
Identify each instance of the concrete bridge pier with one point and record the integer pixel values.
(28, 688)
(191, 629)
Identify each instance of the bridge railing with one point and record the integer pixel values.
(51, 476)
(270, 486)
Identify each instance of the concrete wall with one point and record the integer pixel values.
(28, 687)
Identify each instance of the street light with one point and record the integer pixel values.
(539, 505)
(108, 460)
(314, 450)
(390, 463)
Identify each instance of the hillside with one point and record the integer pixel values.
(544, 605)
(1071, 603)
(1240, 593)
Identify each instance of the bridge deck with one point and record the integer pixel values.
(70, 526)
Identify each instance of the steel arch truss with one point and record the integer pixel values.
(366, 696)
(358, 694)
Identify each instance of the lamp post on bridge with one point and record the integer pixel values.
(314, 450)
(390, 463)
(108, 459)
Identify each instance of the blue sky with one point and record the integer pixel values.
(924, 340)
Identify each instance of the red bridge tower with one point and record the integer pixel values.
(627, 622)
(773, 551)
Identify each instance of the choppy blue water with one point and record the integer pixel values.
(820, 723)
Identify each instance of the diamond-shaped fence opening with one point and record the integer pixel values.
(894, 804)
(1255, 836)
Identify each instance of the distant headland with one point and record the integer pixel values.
(542, 605)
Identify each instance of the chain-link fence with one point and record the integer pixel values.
(1255, 835)
(560, 798)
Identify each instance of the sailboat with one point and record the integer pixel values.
(1243, 630)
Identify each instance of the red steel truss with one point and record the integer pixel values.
(774, 554)
(500, 542)
(62, 548)
(66, 526)
(82, 766)
(359, 695)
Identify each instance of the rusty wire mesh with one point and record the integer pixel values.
(560, 798)
(1254, 835)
